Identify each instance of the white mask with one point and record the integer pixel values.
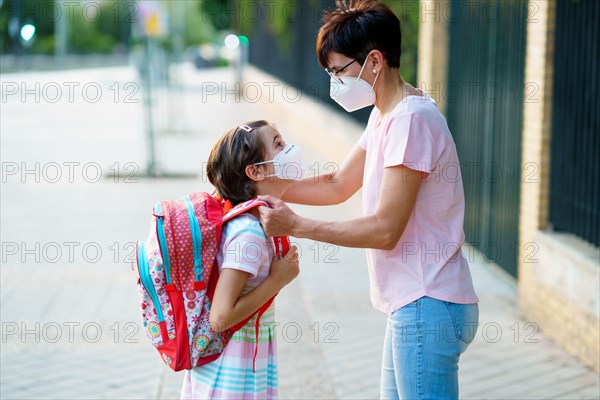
(287, 163)
(354, 93)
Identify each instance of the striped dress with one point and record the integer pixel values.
(246, 248)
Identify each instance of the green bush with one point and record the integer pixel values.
(408, 13)
(44, 45)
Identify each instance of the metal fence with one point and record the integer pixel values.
(485, 104)
(575, 169)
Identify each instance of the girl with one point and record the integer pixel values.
(245, 162)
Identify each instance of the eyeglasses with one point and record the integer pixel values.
(335, 74)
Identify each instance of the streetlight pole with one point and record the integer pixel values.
(150, 26)
(148, 107)
(14, 25)
(61, 34)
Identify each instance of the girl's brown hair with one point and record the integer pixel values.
(226, 168)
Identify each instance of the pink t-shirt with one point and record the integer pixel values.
(428, 260)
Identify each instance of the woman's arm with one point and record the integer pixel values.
(332, 188)
(382, 230)
(229, 308)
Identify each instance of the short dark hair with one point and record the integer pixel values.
(226, 168)
(358, 26)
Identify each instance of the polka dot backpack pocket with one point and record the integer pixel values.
(177, 274)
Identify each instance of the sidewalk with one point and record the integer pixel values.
(70, 325)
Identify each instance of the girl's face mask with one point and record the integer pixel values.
(287, 164)
(354, 93)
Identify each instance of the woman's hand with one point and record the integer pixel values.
(284, 270)
(279, 220)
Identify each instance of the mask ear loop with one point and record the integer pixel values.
(363, 68)
(264, 162)
(375, 81)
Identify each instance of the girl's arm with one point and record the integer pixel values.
(332, 188)
(229, 308)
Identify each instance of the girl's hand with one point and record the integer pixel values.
(228, 307)
(284, 270)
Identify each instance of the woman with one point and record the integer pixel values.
(413, 205)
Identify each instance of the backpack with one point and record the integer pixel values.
(177, 275)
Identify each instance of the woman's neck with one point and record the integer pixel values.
(390, 91)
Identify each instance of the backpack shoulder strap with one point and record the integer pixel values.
(280, 243)
(243, 207)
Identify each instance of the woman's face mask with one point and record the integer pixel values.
(354, 93)
(287, 164)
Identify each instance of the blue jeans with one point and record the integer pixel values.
(423, 343)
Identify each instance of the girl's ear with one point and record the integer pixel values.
(254, 173)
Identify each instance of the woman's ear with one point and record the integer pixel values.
(254, 173)
(375, 62)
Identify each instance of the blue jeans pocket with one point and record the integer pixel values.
(465, 318)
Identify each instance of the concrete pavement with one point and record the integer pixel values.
(68, 302)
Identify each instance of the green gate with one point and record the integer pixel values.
(485, 105)
(575, 169)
